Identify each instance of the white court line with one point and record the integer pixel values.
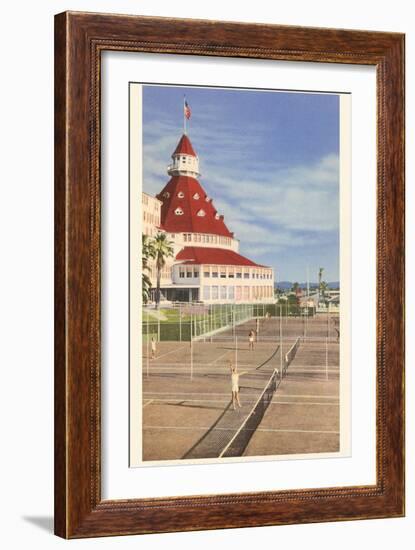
(167, 353)
(174, 399)
(217, 359)
(227, 393)
(233, 429)
(309, 369)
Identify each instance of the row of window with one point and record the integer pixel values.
(180, 195)
(201, 213)
(166, 272)
(179, 212)
(151, 218)
(237, 292)
(216, 272)
(235, 273)
(201, 238)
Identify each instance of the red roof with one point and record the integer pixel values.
(184, 147)
(199, 215)
(218, 256)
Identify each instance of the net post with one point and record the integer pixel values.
(236, 352)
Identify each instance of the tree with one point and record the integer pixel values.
(295, 287)
(163, 249)
(323, 288)
(320, 276)
(148, 253)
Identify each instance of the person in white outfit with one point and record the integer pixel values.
(153, 347)
(235, 385)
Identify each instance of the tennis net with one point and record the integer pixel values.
(289, 356)
(240, 440)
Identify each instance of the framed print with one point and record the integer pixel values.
(229, 276)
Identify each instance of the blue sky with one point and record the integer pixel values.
(269, 160)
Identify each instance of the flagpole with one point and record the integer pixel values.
(184, 114)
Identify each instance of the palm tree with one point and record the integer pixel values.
(163, 249)
(320, 276)
(323, 288)
(148, 253)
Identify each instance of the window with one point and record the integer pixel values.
(189, 273)
(223, 293)
(215, 272)
(246, 292)
(166, 195)
(178, 212)
(207, 199)
(180, 194)
(216, 216)
(196, 196)
(206, 274)
(206, 292)
(246, 275)
(185, 237)
(201, 213)
(238, 292)
(196, 274)
(223, 274)
(238, 275)
(231, 292)
(230, 273)
(181, 273)
(215, 292)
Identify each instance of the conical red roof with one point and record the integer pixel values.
(196, 211)
(184, 147)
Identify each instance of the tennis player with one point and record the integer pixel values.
(153, 347)
(235, 385)
(251, 338)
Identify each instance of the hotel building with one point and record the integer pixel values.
(206, 266)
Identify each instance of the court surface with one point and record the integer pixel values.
(187, 408)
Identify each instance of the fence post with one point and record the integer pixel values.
(236, 352)
(327, 359)
(281, 362)
(191, 346)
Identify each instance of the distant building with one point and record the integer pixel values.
(206, 266)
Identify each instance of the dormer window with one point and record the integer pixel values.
(166, 195)
(201, 213)
(196, 196)
(216, 216)
(180, 194)
(178, 212)
(207, 199)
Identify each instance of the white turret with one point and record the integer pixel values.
(185, 161)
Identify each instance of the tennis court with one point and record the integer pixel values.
(187, 409)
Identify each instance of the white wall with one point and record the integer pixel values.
(26, 125)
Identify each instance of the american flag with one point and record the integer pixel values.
(187, 111)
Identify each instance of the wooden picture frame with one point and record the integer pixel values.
(79, 40)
